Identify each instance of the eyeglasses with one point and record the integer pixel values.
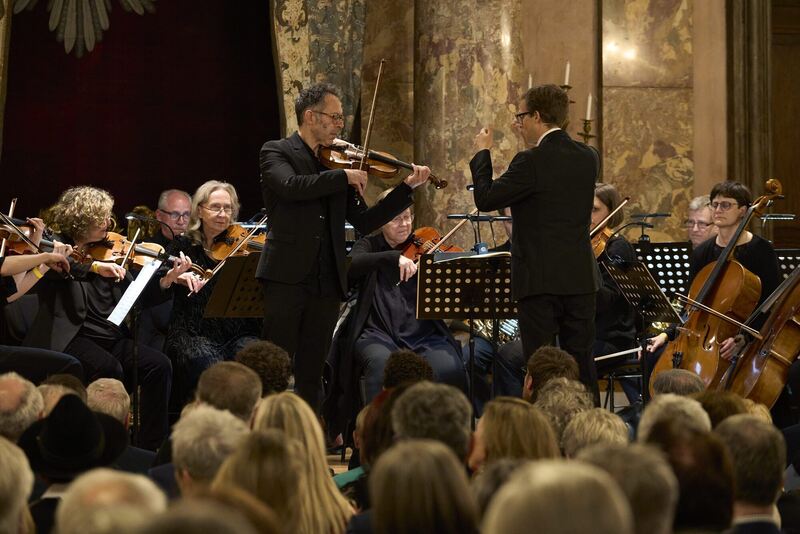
(217, 208)
(176, 215)
(691, 223)
(722, 206)
(519, 116)
(402, 219)
(335, 117)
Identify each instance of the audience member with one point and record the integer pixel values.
(758, 453)
(593, 426)
(512, 428)
(258, 514)
(759, 410)
(21, 404)
(270, 362)
(16, 483)
(434, 411)
(677, 381)
(420, 486)
(646, 479)
(719, 405)
(327, 509)
(201, 441)
(103, 501)
(191, 516)
(672, 407)
(560, 399)
(490, 479)
(70, 382)
(51, 394)
(405, 366)
(545, 363)
(230, 386)
(559, 497)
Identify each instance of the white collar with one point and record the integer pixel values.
(539, 142)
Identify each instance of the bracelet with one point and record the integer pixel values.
(95, 267)
(37, 273)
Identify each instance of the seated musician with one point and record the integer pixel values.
(699, 222)
(73, 313)
(173, 212)
(195, 343)
(19, 273)
(384, 318)
(614, 319)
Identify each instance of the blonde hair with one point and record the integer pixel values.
(322, 507)
(78, 209)
(560, 399)
(597, 425)
(108, 396)
(269, 466)
(420, 486)
(514, 428)
(200, 197)
(759, 410)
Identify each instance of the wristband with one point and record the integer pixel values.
(95, 267)
(37, 273)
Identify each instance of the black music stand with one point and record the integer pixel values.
(466, 287)
(669, 264)
(237, 292)
(645, 296)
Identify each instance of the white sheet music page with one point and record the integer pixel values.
(131, 294)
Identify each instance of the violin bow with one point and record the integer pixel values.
(17, 230)
(10, 214)
(602, 224)
(365, 154)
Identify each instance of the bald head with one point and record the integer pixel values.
(20, 405)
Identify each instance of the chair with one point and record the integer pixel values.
(619, 368)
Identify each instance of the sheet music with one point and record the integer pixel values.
(131, 294)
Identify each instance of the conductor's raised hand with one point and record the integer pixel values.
(418, 177)
(358, 179)
(484, 140)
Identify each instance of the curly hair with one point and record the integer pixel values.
(78, 209)
(270, 362)
(405, 366)
(200, 197)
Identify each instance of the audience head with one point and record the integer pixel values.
(378, 434)
(174, 210)
(682, 410)
(230, 386)
(246, 505)
(420, 486)
(268, 465)
(512, 428)
(104, 501)
(759, 410)
(51, 394)
(646, 479)
(72, 440)
(405, 366)
(190, 516)
(559, 497)
(719, 405)
(108, 396)
(202, 440)
(677, 381)
(560, 399)
(21, 404)
(489, 480)
(16, 483)
(270, 362)
(68, 381)
(703, 468)
(596, 425)
(434, 411)
(545, 363)
(699, 224)
(758, 453)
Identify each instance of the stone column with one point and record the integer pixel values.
(468, 73)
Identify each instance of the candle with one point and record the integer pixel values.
(589, 107)
(566, 75)
(530, 80)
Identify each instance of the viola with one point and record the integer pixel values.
(726, 289)
(344, 155)
(423, 240)
(228, 245)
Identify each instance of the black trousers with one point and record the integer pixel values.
(115, 360)
(37, 364)
(541, 317)
(301, 318)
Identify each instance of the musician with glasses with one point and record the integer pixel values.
(173, 212)
(195, 343)
(700, 223)
(303, 264)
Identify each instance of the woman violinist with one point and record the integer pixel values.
(72, 315)
(384, 318)
(195, 343)
(729, 203)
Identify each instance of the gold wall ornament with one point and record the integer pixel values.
(80, 24)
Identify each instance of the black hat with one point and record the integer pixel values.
(72, 439)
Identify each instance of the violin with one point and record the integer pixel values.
(344, 155)
(724, 289)
(228, 245)
(423, 240)
(600, 234)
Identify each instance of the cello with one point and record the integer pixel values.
(726, 288)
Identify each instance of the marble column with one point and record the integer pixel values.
(468, 73)
(316, 42)
(5, 40)
(647, 108)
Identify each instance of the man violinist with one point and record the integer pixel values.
(302, 267)
(549, 189)
(173, 212)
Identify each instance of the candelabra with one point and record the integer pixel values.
(587, 134)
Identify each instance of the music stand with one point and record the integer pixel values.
(466, 287)
(668, 263)
(237, 292)
(645, 296)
